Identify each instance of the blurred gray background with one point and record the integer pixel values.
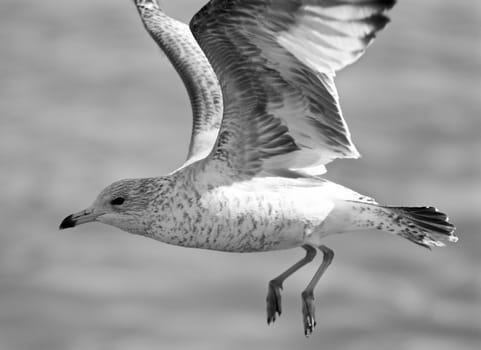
(86, 98)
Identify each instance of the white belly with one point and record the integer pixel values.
(253, 217)
(257, 215)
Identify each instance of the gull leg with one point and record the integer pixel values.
(275, 285)
(308, 309)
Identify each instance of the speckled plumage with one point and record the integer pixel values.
(255, 215)
(265, 69)
(178, 43)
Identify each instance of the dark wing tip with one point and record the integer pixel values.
(378, 21)
(390, 4)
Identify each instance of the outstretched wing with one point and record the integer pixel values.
(276, 61)
(176, 40)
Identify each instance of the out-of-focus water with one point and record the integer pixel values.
(86, 98)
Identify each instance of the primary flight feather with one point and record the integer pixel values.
(266, 120)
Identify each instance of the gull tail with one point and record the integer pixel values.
(425, 226)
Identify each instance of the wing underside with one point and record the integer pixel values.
(180, 46)
(276, 61)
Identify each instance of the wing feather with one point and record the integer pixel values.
(178, 43)
(275, 61)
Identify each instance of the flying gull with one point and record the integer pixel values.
(266, 121)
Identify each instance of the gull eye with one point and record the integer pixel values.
(117, 201)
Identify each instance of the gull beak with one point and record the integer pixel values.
(87, 215)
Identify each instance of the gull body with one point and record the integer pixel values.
(261, 214)
(267, 120)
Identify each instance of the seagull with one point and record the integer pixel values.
(266, 121)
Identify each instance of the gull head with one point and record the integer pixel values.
(122, 204)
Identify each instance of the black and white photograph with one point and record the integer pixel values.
(240, 174)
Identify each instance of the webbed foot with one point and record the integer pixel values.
(308, 313)
(273, 301)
